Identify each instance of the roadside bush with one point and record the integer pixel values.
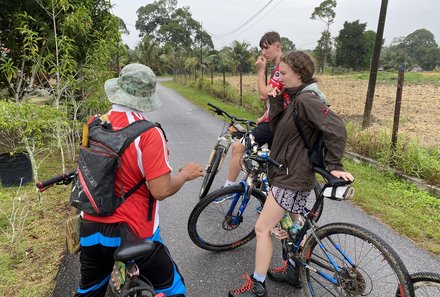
(408, 156)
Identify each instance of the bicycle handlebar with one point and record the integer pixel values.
(65, 178)
(269, 160)
(220, 111)
(331, 181)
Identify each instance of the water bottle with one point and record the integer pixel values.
(287, 222)
(297, 225)
(291, 227)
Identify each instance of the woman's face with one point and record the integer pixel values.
(288, 77)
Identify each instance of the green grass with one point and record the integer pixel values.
(201, 99)
(30, 264)
(406, 209)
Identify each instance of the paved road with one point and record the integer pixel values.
(192, 132)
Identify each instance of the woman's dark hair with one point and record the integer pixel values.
(269, 38)
(301, 63)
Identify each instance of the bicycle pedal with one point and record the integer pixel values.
(279, 233)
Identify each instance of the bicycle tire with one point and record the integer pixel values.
(211, 171)
(426, 284)
(210, 229)
(377, 269)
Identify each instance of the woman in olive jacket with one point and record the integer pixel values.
(291, 187)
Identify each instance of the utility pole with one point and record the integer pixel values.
(374, 65)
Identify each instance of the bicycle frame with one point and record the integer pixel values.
(296, 243)
(253, 174)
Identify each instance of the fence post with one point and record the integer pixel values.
(397, 107)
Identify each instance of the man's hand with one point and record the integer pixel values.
(191, 171)
(166, 185)
(260, 64)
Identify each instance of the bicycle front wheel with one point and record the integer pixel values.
(216, 226)
(426, 284)
(368, 266)
(211, 171)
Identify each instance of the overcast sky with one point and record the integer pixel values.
(291, 18)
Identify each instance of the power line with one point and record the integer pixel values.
(227, 34)
(244, 30)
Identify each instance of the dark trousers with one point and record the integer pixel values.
(99, 242)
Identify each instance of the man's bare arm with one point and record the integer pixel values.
(167, 185)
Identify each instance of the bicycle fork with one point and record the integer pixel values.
(237, 219)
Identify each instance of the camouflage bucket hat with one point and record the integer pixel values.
(135, 87)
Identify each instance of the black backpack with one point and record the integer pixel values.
(93, 187)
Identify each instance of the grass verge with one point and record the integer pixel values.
(381, 194)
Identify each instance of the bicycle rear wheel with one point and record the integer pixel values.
(376, 269)
(211, 171)
(211, 228)
(426, 284)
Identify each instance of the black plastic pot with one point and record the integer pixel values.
(15, 169)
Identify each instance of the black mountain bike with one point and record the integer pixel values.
(225, 219)
(341, 259)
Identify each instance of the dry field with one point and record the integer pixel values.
(420, 110)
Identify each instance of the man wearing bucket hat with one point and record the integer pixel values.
(133, 94)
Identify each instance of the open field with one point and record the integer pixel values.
(419, 115)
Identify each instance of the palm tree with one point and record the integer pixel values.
(173, 60)
(240, 55)
(146, 52)
(191, 64)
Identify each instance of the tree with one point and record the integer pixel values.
(173, 60)
(146, 52)
(421, 46)
(353, 46)
(322, 51)
(326, 13)
(240, 55)
(167, 24)
(394, 57)
(57, 40)
(287, 44)
(369, 38)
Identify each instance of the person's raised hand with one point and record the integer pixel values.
(260, 64)
(275, 92)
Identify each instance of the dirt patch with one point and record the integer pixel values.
(419, 115)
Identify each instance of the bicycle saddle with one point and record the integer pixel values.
(132, 246)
